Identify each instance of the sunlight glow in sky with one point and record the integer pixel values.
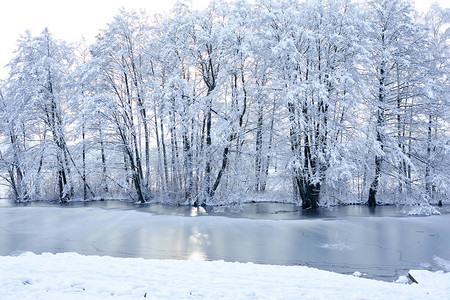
(72, 20)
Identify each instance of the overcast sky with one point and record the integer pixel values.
(70, 20)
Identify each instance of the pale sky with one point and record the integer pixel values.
(70, 20)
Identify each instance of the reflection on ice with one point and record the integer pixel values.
(197, 243)
(198, 256)
(338, 246)
(196, 211)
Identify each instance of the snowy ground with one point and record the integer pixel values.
(74, 276)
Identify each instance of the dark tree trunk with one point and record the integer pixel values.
(374, 186)
(187, 166)
(104, 183)
(258, 149)
(379, 127)
(208, 150)
(83, 154)
(378, 160)
(310, 197)
(428, 162)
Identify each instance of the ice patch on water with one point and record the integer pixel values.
(338, 246)
(402, 280)
(444, 264)
(357, 274)
(423, 210)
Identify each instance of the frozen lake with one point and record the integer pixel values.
(382, 243)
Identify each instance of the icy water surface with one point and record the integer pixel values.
(380, 243)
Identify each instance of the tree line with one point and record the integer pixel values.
(316, 102)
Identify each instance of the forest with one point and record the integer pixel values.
(317, 102)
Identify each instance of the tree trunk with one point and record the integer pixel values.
(258, 149)
(104, 183)
(164, 154)
(208, 150)
(428, 161)
(310, 197)
(374, 186)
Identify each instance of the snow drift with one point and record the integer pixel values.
(74, 276)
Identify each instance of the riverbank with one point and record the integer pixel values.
(74, 276)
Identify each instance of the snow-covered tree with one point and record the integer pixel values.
(319, 99)
(37, 97)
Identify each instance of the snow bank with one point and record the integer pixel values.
(444, 264)
(73, 276)
(423, 210)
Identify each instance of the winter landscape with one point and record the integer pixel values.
(229, 149)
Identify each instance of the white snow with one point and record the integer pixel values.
(357, 274)
(423, 210)
(337, 246)
(444, 264)
(74, 276)
(402, 279)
